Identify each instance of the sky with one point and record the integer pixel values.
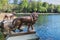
(56, 2)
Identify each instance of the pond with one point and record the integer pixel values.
(49, 30)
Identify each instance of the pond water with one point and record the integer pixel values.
(50, 30)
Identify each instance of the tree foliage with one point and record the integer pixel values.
(58, 8)
(28, 6)
(3, 5)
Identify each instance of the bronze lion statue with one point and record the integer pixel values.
(25, 20)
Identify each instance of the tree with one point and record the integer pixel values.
(4, 4)
(45, 4)
(39, 5)
(51, 8)
(15, 1)
(0, 5)
(29, 8)
(42, 9)
(58, 8)
(34, 6)
(24, 5)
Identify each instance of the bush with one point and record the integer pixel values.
(1, 36)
